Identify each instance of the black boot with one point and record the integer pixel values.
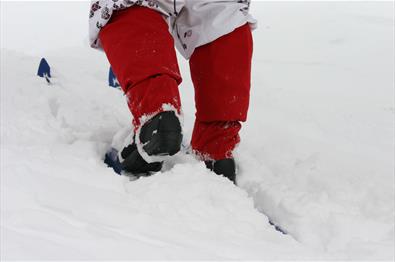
(225, 167)
(160, 136)
(135, 164)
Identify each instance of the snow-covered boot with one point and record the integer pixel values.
(225, 167)
(135, 164)
(160, 136)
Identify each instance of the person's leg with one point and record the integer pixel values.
(141, 52)
(203, 21)
(221, 72)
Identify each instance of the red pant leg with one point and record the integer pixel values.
(221, 74)
(215, 140)
(141, 52)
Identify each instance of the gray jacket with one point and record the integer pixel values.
(191, 22)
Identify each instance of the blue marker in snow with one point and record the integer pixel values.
(112, 79)
(112, 160)
(44, 70)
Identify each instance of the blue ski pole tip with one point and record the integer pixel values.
(44, 69)
(111, 159)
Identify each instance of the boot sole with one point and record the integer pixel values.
(162, 135)
(164, 144)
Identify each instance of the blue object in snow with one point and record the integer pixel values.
(44, 70)
(112, 79)
(112, 160)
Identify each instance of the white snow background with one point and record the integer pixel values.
(317, 152)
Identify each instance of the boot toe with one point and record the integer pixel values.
(225, 167)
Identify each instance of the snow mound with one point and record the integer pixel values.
(316, 157)
(59, 200)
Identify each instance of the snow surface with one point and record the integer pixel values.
(317, 153)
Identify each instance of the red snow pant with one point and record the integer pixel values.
(141, 52)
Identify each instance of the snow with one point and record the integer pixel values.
(317, 152)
